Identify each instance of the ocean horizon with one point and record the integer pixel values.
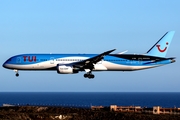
(88, 99)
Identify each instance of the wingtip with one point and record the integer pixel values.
(113, 49)
(107, 52)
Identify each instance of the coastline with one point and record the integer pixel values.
(57, 113)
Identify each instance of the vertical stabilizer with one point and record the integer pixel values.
(161, 47)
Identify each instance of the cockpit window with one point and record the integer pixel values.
(9, 59)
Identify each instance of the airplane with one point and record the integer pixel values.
(75, 63)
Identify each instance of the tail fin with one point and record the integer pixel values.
(161, 47)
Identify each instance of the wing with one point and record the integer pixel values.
(89, 63)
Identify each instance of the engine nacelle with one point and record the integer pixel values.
(64, 69)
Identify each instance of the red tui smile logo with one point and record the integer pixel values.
(162, 50)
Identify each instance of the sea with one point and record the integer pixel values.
(88, 99)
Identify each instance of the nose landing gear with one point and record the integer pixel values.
(17, 74)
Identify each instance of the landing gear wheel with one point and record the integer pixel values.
(16, 71)
(85, 75)
(17, 74)
(91, 76)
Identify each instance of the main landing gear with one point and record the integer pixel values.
(89, 75)
(17, 74)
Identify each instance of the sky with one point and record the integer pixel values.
(88, 26)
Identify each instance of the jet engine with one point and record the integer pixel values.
(66, 69)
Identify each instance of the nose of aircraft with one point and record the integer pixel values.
(4, 65)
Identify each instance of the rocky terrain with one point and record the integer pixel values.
(59, 113)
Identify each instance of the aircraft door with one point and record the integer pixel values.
(18, 60)
(52, 60)
(140, 60)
